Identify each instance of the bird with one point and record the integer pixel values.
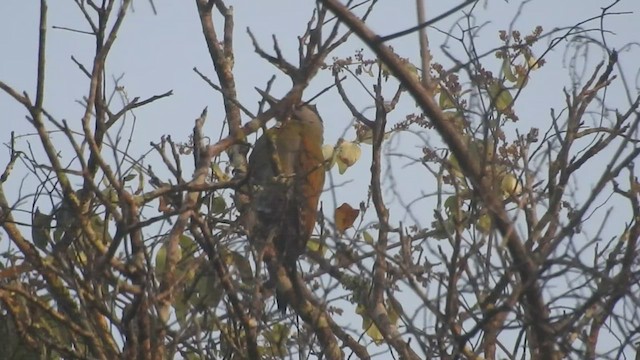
(285, 178)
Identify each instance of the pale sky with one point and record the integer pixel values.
(157, 53)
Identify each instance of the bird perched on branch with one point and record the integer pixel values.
(285, 178)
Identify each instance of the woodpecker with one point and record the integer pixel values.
(285, 178)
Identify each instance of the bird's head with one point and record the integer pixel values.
(304, 115)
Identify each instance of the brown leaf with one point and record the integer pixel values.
(345, 216)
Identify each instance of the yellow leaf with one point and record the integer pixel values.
(82, 258)
(315, 245)
(226, 256)
(510, 185)
(347, 155)
(394, 309)
(218, 173)
(329, 156)
(500, 96)
(372, 331)
(349, 152)
(523, 79)
(531, 60)
(484, 224)
(342, 167)
(368, 326)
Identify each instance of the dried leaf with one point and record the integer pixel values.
(345, 216)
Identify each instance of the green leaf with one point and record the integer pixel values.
(218, 205)
(507, 71)
(415, 72)
(445, 101)
(101, 230)
(455, 167)
(161, 259)
(443, 229)
(182, 306)
(277, 336)
(367, 237)
(208, 290)
(451, 205)
(188, 245)
(111, 194)
(242, 264)
(315, 245)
